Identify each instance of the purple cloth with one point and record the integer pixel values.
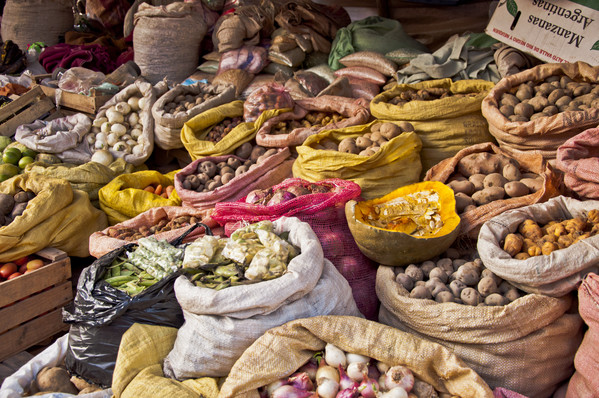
(90, 56)
(501, 392)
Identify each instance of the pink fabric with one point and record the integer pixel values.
(326, 215)
(585, 382)
(90, 56)
(578, 157)
(501, 392)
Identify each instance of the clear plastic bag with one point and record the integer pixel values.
(270, 96)
(80, 80)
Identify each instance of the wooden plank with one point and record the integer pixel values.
(14, 107)
(33, 306)
(29, 115)
(25, 285)
(51, 253)
(31, 333)
(88, 104)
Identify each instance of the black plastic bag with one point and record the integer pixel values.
(100, 314)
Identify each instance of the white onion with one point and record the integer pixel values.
(382, 367)
(112, 139)
(133, 103)
(100, 145)
(327, 388)
(327, 372)
(91, 138)
(102, 156)
(99, 121)
(142, 103)
(121, 146)
(396, 392)
(118, 129)
(138, 126)
(133, 119)
(126, 137)
(114, 116)
(105, 127)
(352, 357)
(123, 108)
(131, 143)
(334, 356)
(356, 370)
(138, 150)
(101, 137)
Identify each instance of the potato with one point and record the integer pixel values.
(244, 151)
(420, 292)
(458, 262)
(468, 275)
(389, 130)
(513, 244)
(7, 203)
(524, 92)
(414, 272)
(462, 201)
(548, 248)
(329, 144)
(456, 177)
(533, 185)
(426, 267)
(405, 281)
(439, 273)
(529, 229)
(496, 299)
(446, 264)
(494, 180)
(511, 172)
(488, 195)
(456, 287)
(445, 297)
(477, 263)
(18, 210)
(479, 163)
(512, 294)
(470, 296)
(465, 187)
(367, 152)
(423, 390)
(487, 286)
(55, 379)
(257, 151)
(21, 197)
(509, 99)
(363, 142)
(348, 145)
(487, 273)
(524, 109)
(227, 177)
(434, 284)
(477, 181)
(515, 189)
(538, 103)
(504, 286)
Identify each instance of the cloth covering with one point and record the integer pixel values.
(91, 56)
(455, 60)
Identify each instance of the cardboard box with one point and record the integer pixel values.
(550, 30)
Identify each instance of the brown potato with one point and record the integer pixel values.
(477, 181)
(348, 145)
(494, 180)
(462, 201)
(405, 281)
(421, 292)
(439, 273)
(513, 244)
(511, 172)
(488, 195)
(389, 130)
(445, 297)
(414, 272)
(496, 299)
(524, 109)
(487, 286)
(516, 189)
(470, 296)
(465, 187)
(426, 267)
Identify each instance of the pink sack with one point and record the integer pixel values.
(363, 73)
(585, 382)
(251, 59)
(578, 157)
(326, 215)
(271, 171)
(501, 392)
(101, 243)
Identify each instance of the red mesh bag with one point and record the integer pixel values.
(269, 96)
(326, 215)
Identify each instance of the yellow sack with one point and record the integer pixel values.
(194, 132)
(124, 198)
(446, 125)
(282, 350)
(138, 370)
(88, 177)
(57, 217)
(396, 164)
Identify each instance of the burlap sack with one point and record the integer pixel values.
(446, 125)
(167, 126)
(504, 345)
(101, 242)
(220, 325)
(55, 136)
(585, 383)
(554, 275)
(271, 171)
(472, 220)
(28, 21)
(58, 216)
(243, 26)
(396, 164)
(543, 135)
(283, 350)
(167, 40)
(354, 111)
(579, 159)
(140, 88)
(129, 17)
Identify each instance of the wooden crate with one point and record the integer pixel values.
(30, 106)
(79, 102)
(31, 305)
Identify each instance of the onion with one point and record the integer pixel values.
(103, 157)
(302, 381)
(118, 129)
(399, 376)
(334, 356)
(327, 388)
(131, 143)
(101, 137)
(345, 381)
(141, 103)
(382, 367)
(280, 196)
(270, 388)
(382, 379)
(112, 139)
(351, 358)
(373, 372)
(138, 150)
(327, 371)
(396, 392)
(123, 108)
(105, 128)
(290, 392)
(121, 146)
(114, 116)
(133, 103)
(351, 392)
(258, 196)
(90, 138)
(100, 144)
(126, 138)
(310, 368)
(357, 370)
(133, 119)
(369, 387)
(135, 134)
(99, 121)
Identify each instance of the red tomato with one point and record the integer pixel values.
(21, 261)
(14, 275)
(7, 270)
(23, 268)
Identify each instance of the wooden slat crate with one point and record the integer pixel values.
(31, 304)
(26, 109)
(79, 102)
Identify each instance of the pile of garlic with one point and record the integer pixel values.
(119, 129)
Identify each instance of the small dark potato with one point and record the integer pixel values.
(426, 267)
(414, 272)
(207, 167)
(194, 181)
(226, 178)
(18, 209)
(445, 297)
(7, 202)
(244, 151)
(21, 197)
(405, 281)
(439, 273)
(420, 292)
(233, 163)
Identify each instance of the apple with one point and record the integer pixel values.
(34, 264)
(14, 275)
(7, 270)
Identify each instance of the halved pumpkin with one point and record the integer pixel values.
(390, 247)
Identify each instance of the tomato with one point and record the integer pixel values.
(23, 268)
(7, 270)
(34, 264)
(21, 261)
(14, 275)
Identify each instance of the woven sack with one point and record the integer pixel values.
(396, 164)
(579, 160)
(27, 21)
(283, 350)
(271, 171)
(220, 325)
(472, 220)
(543, 135)
(354, 111)
(101, 242)
(585, 383)
(325, 214)
(555, 274)
(167, 40)
(446, 125)
(504, 345)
